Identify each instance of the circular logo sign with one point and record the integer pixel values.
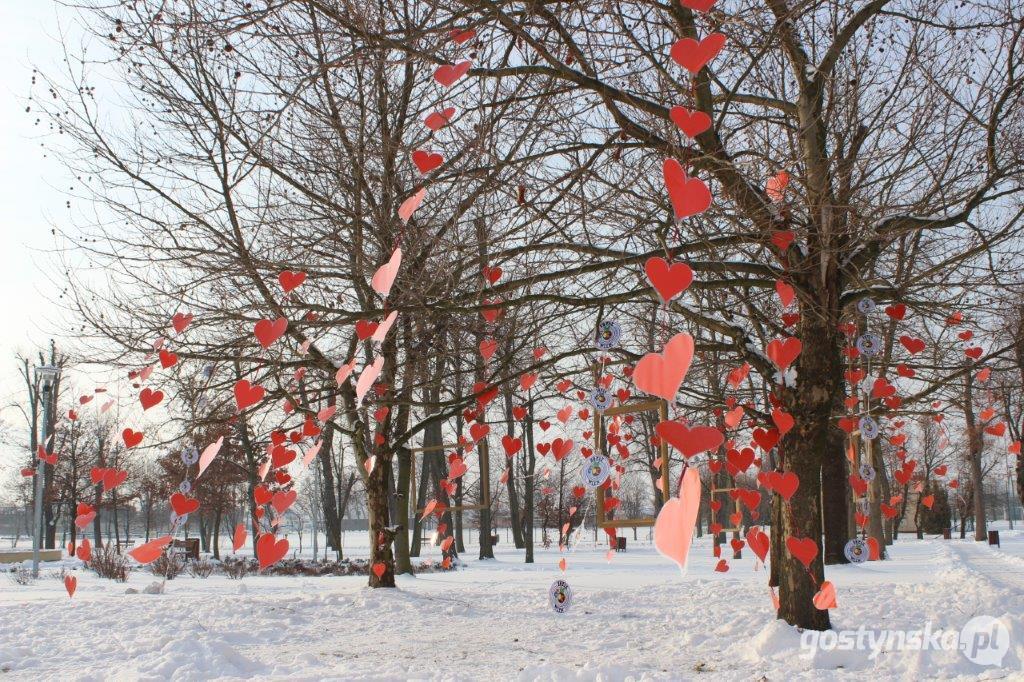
(865, 306)
(560, 596)
(190, 456)
(601, 398)
(856, 551)
(984, 640)
(869, 344)
(608, 334)
(595, 471)
(867, 472)
(868, 428)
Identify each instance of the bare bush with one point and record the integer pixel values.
(21, 576)
(168, 566)
(235, 569)
(109, 563)
(201, 568)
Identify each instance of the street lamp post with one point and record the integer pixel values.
(46, 379)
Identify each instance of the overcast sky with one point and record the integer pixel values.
(30, 193)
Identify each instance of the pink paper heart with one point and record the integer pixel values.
(825, 598)
(208, 454)
(673, 530)
(661, 374)
(385, 275)
(344, 371)
(311, 453)
(410, 205)
(367, 377)
(384, 327)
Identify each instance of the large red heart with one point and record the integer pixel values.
(560, 448)
(267, 331)
(270, 550)
(661, 374)
(70, 584)
(698, 5)
(456, 469)
(131, 438)
(238, 539)
(150, 551)
(668, 280)
(478, 431)
(365, 329)
(282, 500)
(447, 74)
(689, 441)
(291, 280)
(181, 321)
(247, 394)
(766, 439)
(693, 55)
(758, 541)
(913, 345)
(281, 456)
(488, 348)
(148, 397)
(896, 311)
(168, 359)
(426, 161)
(511, 445)
(825, 598)
(692, 123)
(182, 504)
(784, 352)
(689, 196)
(784, 483)
(439, 119)
(113, 478)
(803, 549)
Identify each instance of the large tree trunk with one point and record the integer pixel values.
(802, 450)
(835, 498)
(975, 445)
(381, 536)
(401, 520)
(530, 466)
(328, 498)
(510, 479)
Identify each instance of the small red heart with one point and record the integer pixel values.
(291, 280)
(447, 74)
(693, 55)
(131, 438)
(692, 123)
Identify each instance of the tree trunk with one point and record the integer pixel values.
(401, 521)
(802, 451)
(381, 535)
(975, 445)
(835, 497)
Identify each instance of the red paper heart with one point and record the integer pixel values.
(131, 438)
(270, 550)
(426, 161)
(148, 397)
(692, 123)
(267, 331)
(803, 550)
(668, 280)
(783, 352)
(447, 74)
(181, 321)
(246, 394)
(689, 441)
(439, 119)
(291, 280)
(693, 55)
(182, 504)
(661, 374)
(689, 196)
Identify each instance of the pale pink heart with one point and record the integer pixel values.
(369, 463)
(733, 416)
(326, 413)
(410, 205)
(311, 453)
(304, 346)
(344, 371)
(673, 530)
(825, 598)
(208, 454)
(384, 327)
(106, 406)
(158, 344)
(146, 372)
(264, 468)
(661, 374)
(367, 377)
(385, 275)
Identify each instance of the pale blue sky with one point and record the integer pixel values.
(30, 190)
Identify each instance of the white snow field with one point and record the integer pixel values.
(635, 618)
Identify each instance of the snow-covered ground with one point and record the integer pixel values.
(635, 617)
